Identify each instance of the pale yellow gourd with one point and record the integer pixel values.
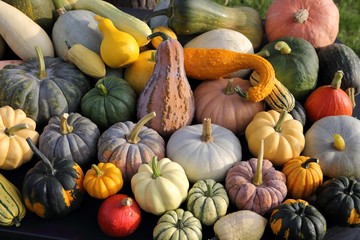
(117, 48)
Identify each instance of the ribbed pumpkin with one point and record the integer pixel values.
(128, 145)
(71, 136)
(168, 91)
(52, 188)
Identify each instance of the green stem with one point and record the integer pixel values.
(283, 47)
(102, 89)
(12, 130)
(351, 93)
(65, 128)
(264, 53)
(42, 70)
(280, 122)
(155, 169)
(229, 90)
(336, 82)
(240, 92)
(49, 167)
(98, 171)
(133, 137)
(257, 180)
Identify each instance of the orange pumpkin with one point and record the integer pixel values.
(316, 21)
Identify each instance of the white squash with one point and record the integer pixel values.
(22, 34)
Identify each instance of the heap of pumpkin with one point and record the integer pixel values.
(108, 104)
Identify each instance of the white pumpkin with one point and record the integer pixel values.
(205, 151)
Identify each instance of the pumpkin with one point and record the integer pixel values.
(255, 184)
(49, 86)
(160, 186)
(315, 21)
(168, 91)
(70, 136)
(15, 127)
(296, 65)
(333, 140)
(52, 188)
(297, 219)
(204, 150)
(283, 136)
(216, 99)
(178, 224)
(128, 145)
(303, 176)
(299, 113)
(111, 100)
(208, 201)
(337, 199)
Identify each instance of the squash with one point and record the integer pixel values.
(204, 150)
(303, 176)
(160, 186)
(337, 199)
(216, 99)
(15, 127)
(103, 180)
(297, 219)
(52, 188)
(178, 224)
(13, 209)
(128, 145)
(241, 224)
(315, 21)
(49, 86)
(328, 100)
(227, 39)
(208, 201)
(17, 28)
(283, 136)
(299, 113)
(333, 140)
(188, 17)
(111, 100)
(168, 91)
(296, 65)
(255, 184)
(71, 136)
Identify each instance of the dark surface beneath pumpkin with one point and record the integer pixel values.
(82, 223)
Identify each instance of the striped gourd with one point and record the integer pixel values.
(12, 208)
(280, 97)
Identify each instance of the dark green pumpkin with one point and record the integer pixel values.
(299, 113)
(71, 136)
(112, 100)
(338, 199)
(53, 187)
(297, 68)
(296, 219)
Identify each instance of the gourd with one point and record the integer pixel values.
(337, 199)
(52, 188)
(15, 127)
(128, 145)
(111, 100)
(255, 184)
(71, 136)
(204, 150)
(217, 99)
(328, 100)
(208, 201)
(117, 48)
(315, 21)
(160, 186)
(283, 136)
(195, 17)
(17, 28)
(297, 219)
(303, 176)
(168, 91)
(103, 180)
(333, 140)
(241, 224)
(49, 86)
(11, 203)
(213, 63)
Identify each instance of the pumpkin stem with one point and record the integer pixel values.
(229, 90)
(301, 16)
(283, 47)
(336, 82)
(65, 128)
(102, 89)
(133, 137)
(97, 170)
(12, 130)
(127, 202)
(351, 93)
(154, 166)
(49, 167)
(164, 36)
(207, 131)
(306, 164)
(257, 180)
(280, 122)
(339, 142)
(42, 71)
(240, 92)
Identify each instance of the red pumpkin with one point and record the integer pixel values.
(316, 21)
